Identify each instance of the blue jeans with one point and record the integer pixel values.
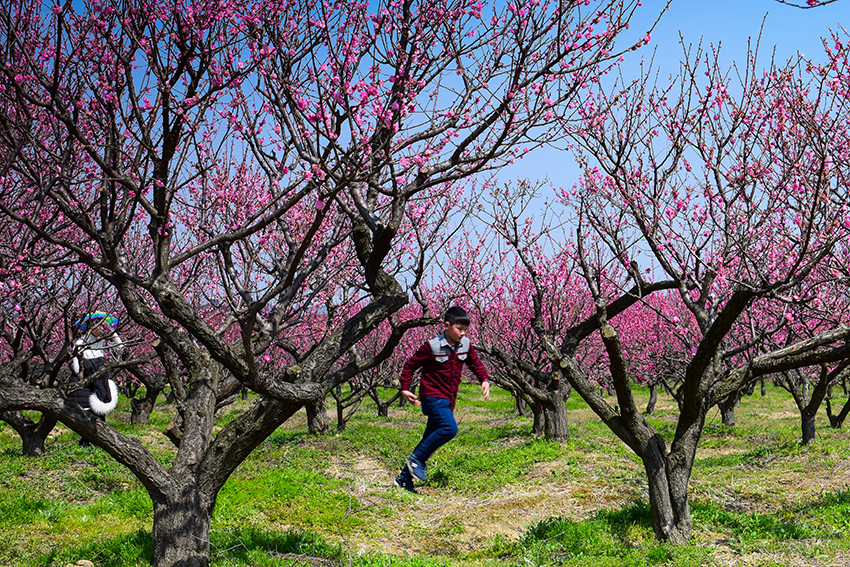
(440, 429)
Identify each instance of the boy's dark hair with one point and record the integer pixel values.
(456, 315)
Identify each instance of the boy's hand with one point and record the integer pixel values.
(410, 397)
(486, 387)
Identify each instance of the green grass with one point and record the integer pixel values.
(305, 500)
(608, 538)
(494, 465)
(297, 498)
(825, 519)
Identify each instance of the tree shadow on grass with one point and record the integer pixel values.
(235, 547)
(606, 534)
(134, 548)
(243, 547)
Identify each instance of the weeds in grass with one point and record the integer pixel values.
(828, 518)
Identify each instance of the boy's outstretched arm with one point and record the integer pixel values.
(477, 367)
(410, 397)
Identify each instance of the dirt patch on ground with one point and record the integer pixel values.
(441, 522)
(805, 555)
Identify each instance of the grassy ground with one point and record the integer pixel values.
(496, 497)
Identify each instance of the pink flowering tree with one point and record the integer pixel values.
(39, 307)
(659, 345)
(734, 191)
(830, 305)
(813, 313)
(26, 312)
(499, 294)
(415, 323)
(530, 296)
(708, 214)
(229, 169)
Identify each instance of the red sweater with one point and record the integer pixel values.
(441, 374)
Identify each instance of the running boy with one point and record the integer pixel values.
(441, 360)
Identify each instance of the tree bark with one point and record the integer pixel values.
(181, 528)
(668, 494)
(653, 398)
(539, 424)
(554, 408)
(669, 473)
(143, 407)
(317, 418)
(727, 409)
(33, 435)
(807, 422)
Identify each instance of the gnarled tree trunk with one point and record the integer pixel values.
(142, 407)
(317, 418)
(33, 435)
(181, 527)
(554, 406)
(653, 398)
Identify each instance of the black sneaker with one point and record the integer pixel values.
(405, 482)
(417, 469)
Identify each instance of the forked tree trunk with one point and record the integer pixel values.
(33, 435)
(184, 502)
(668, 495)
(835, 421)
(668, 474)
(383, 408)
(815, 397)
(181, 529)
(346, 412)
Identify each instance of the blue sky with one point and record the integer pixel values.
(731, 23)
